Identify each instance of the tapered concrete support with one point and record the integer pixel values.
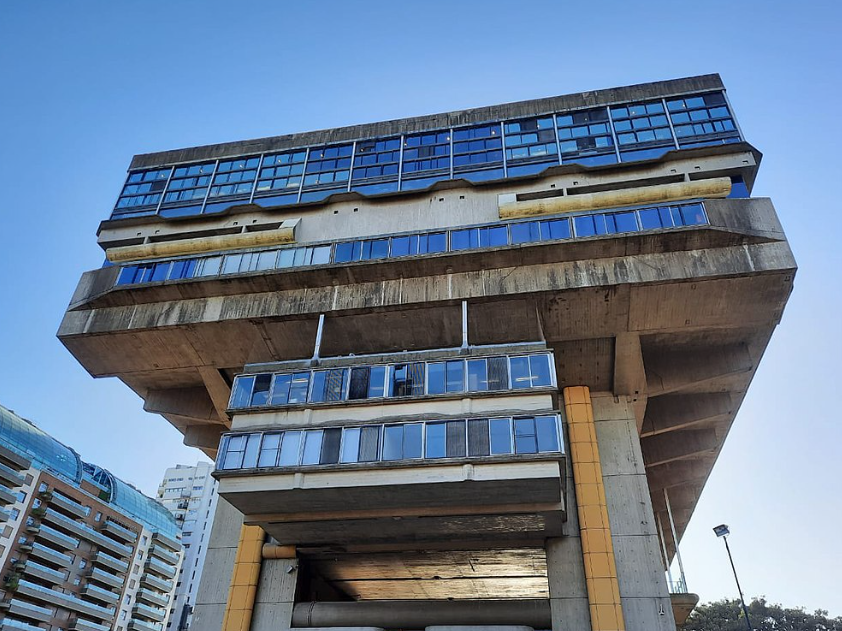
(640, 573)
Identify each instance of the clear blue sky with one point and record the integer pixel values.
(85, 85)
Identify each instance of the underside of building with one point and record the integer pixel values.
(469, 369)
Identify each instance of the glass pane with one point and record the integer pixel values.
(369, 444)
(290, 446)
(359, 383)
(435, 443)
(299, 386)
(455, 376)
(477, 375)
(478, 437)
(269, 450)
(252, 446)
(377, 382)
(456, 439)
(330, 446)
(280, 390)
(520, 372)
(412, 434)
(501, 436)
(547, 429)
(351, 445)
(312, 447)
(540, 368)
(498, 373)
(393, 442)
(436, 378)
(241, 395)
(260, 393)
(317, 392)
(525, 440)
(335, 384)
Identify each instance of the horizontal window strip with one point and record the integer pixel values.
(395, 380)
(577, 226)
(491, 150)
(392, 442)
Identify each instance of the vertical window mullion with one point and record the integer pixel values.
(164, 190)
(210, 185)
(400, 161)
(557, 140)
(303, 174)
(613, 133)
(503, 144)
(350, 168)
(256, 177)
(451, 153)
(669, 122)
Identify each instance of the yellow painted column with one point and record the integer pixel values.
(244, 579)
(595, 529)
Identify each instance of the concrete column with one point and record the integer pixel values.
(606, 611)
(212, 597)
(275, 595)
(640, 571)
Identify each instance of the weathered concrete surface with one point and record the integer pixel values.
(212, 597)
(640, 570)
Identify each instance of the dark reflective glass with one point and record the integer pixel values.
(331, 440)
(260, 393)
(358, 388)
(478, 443)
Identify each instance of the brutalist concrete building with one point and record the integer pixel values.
(469, 369)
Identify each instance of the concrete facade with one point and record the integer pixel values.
(476, 433)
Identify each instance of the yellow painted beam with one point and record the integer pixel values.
(244, 579)
(661, 193)
(595, 529)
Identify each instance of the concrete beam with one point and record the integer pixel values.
(679, 445)
(672, 370)
(203, 436)
(630, 373)
(191, 403)
(219, 391)
(677, 473)
(680, 411)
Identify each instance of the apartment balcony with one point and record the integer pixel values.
(157, 583)
(142, 625)
(80, 624)
(24, 609)
(96, 574)
(86, 532)
(119, 531)
(31, 568)
(103, 595)
(63, 541)
(152, 598)
(169, 542)
(109, 561)
(69, 505)
(66, 601)
(165, 555)
(499, 478)
(5, 515)
(18, 625)
(10, 477)
(160, 568)
(45, 553)
(149, 613)
(6, 496)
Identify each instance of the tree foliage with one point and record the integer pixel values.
(727, 615)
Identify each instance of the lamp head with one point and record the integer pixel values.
(721, 530)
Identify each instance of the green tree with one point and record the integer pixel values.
(727, 615)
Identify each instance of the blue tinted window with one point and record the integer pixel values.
(376, 160)
(424, 154)
(327, 167)
(585, 133)
(546, 428)
(189, 183)
(281, 171)
(234, 177)
(589, 225)
(641, 123)
(142, 190)
(241, 393)
(435, 446)
(531, 140)
(526, 438)
(525, 232)
(621, 222)
(555, 229)
(704, 116)
(480, 146)
(738, 188)
(436, 378)
(501, 435)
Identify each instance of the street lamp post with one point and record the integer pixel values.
(723, 531)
